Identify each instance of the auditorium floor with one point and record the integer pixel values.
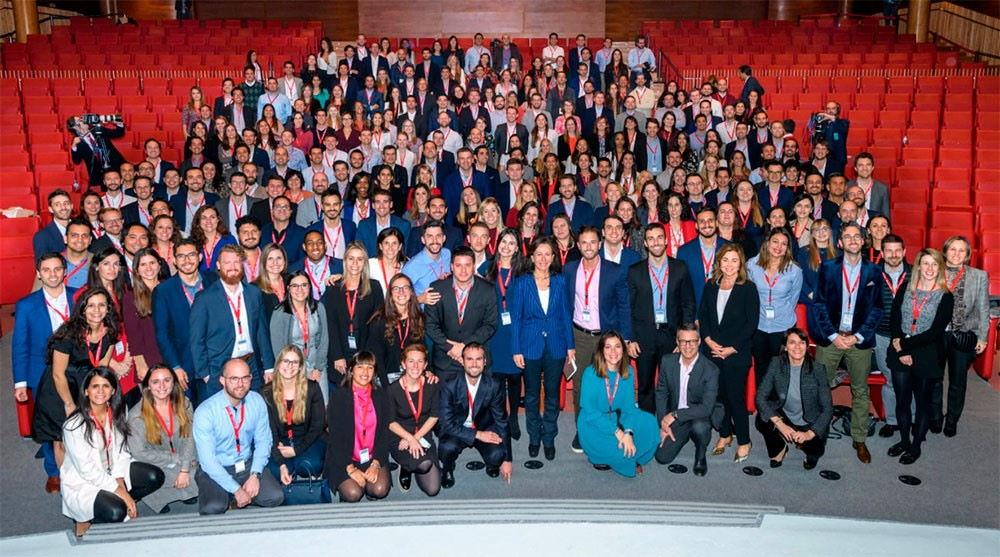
(960, 476)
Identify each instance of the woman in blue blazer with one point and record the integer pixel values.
(543, 338)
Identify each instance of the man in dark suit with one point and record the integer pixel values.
(348, 82)
(589, 116)
(823, 208)
(437, 210)
(569, 203)
(92, 146)
(846, 309)
(412, 113)
(506, 194)
(662, 300)
(504, 52)
(374, 62)
(262, 208)
(239, 113)
(685, 399)
(225, 99)
(758, 136)
(52, 238)
(599, 293)
(185, 205)
(36, 317)
(829, 126)
(426, 97)
(427, 69)
(441, 163)
(750, 83)
(699, 254)
(465, 313)
(508, 129)
(317, 264)
(282, 229)
(172, 301)
(479, 81)
(256, 154)
(561, 92)
(381, 218)
(471, 112)
(228, 321)
(465, 175)
(473, 414)
(613, 248)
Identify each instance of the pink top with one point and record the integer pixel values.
(365, 422)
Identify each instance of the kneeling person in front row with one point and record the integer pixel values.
(233, 439)
(685, 397)
(473, 413)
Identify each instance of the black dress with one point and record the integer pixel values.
(50, 412)
(401, 413)
(389, 353)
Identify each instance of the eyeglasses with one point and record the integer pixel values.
(243, 379)
(299, 285)
(851, 237)
(291, 362)
(689, 341)
(400, 289)
(186, 255)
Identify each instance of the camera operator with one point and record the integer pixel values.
(92, 144)
(829, 126)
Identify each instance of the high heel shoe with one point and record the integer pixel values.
(740, 458)
(777, 461)
(720, 447)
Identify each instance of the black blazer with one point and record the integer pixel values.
(337, 318)
(83, 153)
(489, 410)
(249, 115)
(388, 353)
(680, 299)
(739, 320)
(304, 434)
(927, 348)
(702, 389)
(814, 390)
(479, 324)
(500, 136)
(340, 417)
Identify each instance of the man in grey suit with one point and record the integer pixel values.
(509, 128)
(876, 192)
(685, 398)
(630, 110)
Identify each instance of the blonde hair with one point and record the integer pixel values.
(463, 211)
(177, 400)
(299, 403)
(262, 282)
(941, 281)
(364, 283)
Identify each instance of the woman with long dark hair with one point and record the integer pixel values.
(209, 231)
(100, 481)
(395, 325)
(300, 322)
(137, 313)
(413, 411)
(507, 263)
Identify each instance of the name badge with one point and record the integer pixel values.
(836, 136)
(661, 316)
(364, 456)
(352, 342)
(243, 345)
(425, 443)
(393, 377)
(241, 466)
(585, 316)
(846, 321)
(769, 312)
(505, 318)
(120, 348)
(467, 423)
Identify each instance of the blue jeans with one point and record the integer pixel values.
(545, 371)
(303, 465)
(48, 456)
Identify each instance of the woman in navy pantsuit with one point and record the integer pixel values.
(507, 263)
(543, 338)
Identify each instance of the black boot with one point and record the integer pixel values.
(404, 479)
(448, 479)
(515, 428)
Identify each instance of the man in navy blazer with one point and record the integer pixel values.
(52, 238)
(464, 176)
(172, 301)
(437, 210)
(772, 193)
(846, 309)
(228, 321)
(483, 427)
(337, 231)
(282, 230)
(569, 203)
(506, 193)
(186, 204)
(34, 323)
(382, 218)
(371, 64)
(613, 249)
(750, 83)
(317, 264)
(699, 253)
(441, 163)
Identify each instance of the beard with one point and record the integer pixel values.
(231, 277)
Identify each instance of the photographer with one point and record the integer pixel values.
(92, 144)
(827, 125)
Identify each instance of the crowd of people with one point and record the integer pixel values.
(383, 256)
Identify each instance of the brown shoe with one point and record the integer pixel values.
(862, 450)
(52, 484)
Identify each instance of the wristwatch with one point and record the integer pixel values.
(255, 475)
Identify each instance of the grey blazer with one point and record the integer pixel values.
(639, 115)
(880, 196)
(702, 389)
(817, 402)
(977, 303)
(284, 327)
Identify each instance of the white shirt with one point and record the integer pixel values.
(473, 389)
(241, 327)
(721, 301)
(682, 396)
(543, 297)
(552, 52)
(60, 303)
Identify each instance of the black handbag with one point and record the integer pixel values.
(963, 341)
(307, 491)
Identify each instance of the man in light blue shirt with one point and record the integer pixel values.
(271, 96)
(233, 438)
(474, 53)
(603, 56)
(641, 59)
(431, 264)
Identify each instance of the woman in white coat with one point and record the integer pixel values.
(100, 481)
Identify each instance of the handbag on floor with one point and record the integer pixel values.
(307, 491)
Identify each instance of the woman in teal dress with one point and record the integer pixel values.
(614, 433)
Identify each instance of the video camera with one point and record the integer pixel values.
(98, 119)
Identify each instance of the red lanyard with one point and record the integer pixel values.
(958, 278)
(419, 408)
(502, 284)
(707, 263)
(187, 294)
(289, 410)
(237, 427)
(144, 212)
(661, 285)
(893, 287)
(168, 429)
(462, 300)
(351, 298)
(874, 257)
(404, 334)
(236, 209)
(918, 308)
(612, 394)
(586, 283)
(194, 208)
(318, 283)
(494, 240)
(333, 239)
(525, 243)
(385, 276)
(107, 435)
(800, 230)
(745, 218)
(469, 395)
(237, 311)
(275, 236)
(95, 357)
(773, 196)
(303, 319)
(254, 271)
(770, 285)
(208, 251)
(563, 254)
(62, 315)
(362, 214)
(849, 287)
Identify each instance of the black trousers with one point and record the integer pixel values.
(450, 447)
(732, 394)
(663, 342)
(144, 478)
(814, 448)
(699, 431)
(213, 499)
(913, 426)
(764, 346)
(958, 363)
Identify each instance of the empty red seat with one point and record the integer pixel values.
(957, 119)
(893, 118)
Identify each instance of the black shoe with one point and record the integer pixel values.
(533, 450)
(887, 431)
(550, 453)
(190, 501)
(404, 479)
(809, 463)
(950, 429)
(936, 426)
(515, 428)
(165, 510)
(575, 445)
(777, 463)
(700, 467)
(493, 471)
(602, 467)
(448, 480)
(910, 456)
(898, 449)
